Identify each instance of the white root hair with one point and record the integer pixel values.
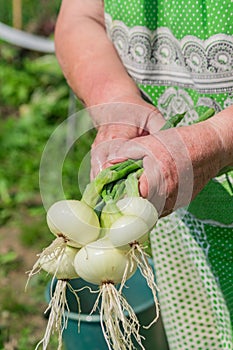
(58, 309)
(138, 255)
(118, 320)
(77, 300)
(54, 251)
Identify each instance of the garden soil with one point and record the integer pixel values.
(22, 322)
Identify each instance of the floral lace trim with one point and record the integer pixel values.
(157, 57)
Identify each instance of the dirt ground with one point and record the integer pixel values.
(22, 322)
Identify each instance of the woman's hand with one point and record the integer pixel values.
(120, 121)
(167, 180)
(178, 162)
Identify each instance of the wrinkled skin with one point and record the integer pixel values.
(119, 121)
(177, 162)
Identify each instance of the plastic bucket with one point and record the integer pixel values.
(90, 336)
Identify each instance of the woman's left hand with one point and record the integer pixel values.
(177, 162)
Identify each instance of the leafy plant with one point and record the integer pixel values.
(34, 99)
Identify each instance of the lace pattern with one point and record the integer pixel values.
(157, 57)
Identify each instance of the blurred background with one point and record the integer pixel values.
(34, 100)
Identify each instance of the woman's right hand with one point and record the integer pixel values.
(120, 121)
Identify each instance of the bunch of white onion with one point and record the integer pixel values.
(103, 249)
(126, 220)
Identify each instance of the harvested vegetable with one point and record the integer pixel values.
(61, 267)
(127, 230)
(74, 223)
(139, 207)
(70, 218)
(101, 263)
(130, 229)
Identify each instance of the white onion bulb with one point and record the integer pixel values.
(127, 229)
(99, 262)
(75, 220)
(140, 207)
(60, 265)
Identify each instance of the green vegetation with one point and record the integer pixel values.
(35, 14)
(34, 100)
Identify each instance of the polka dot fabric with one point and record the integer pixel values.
(193, 307)
(200, 18)
(193, 247)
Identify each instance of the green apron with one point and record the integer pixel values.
(180, 54)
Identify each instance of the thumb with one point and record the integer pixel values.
(155, 122)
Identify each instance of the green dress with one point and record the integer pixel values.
(180, 54)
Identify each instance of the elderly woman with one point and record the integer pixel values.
(144, 61)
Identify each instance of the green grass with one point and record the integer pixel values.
(34, 100)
